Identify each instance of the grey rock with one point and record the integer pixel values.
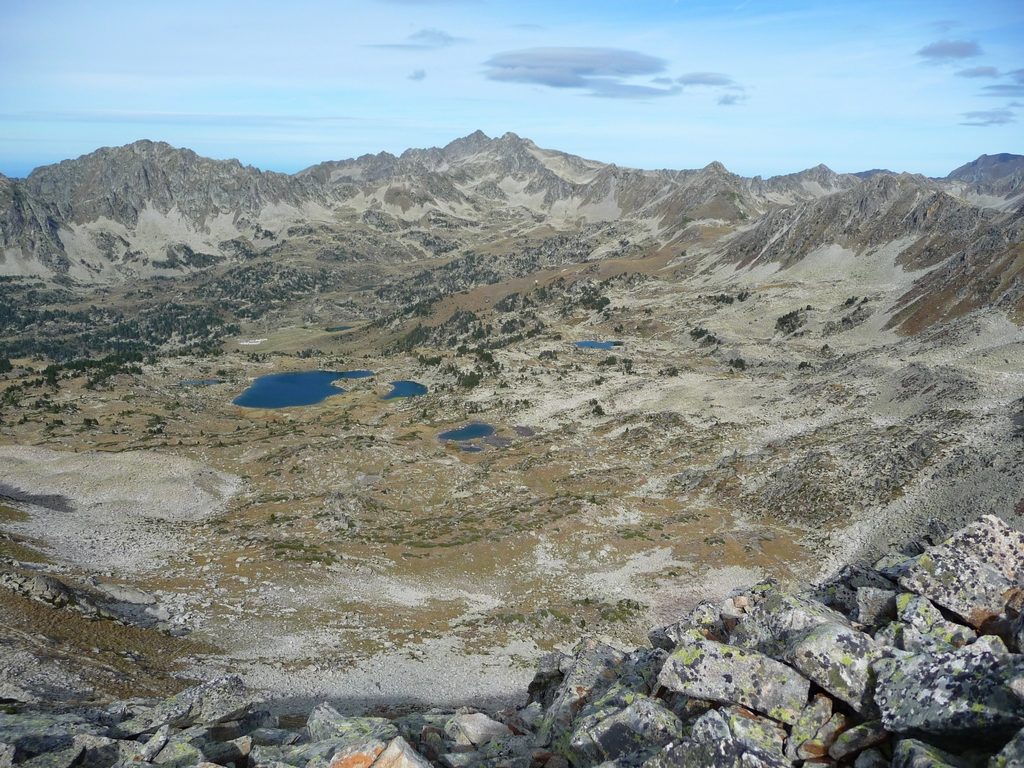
(593, 669)
(219, 700)
(155, 743)
(726, 738)
(549, 675)
(1010, 756)
(704, 616)
(972, 572)
(273, 737)
(841, 591)
(989, 644)
(6, 755)
(774, 618)
(61, 758)
(837, 658)
(875, 606)
(32, 734)
(400, 755)
(857, 739)
(325, 722)
(813, 716)
(926, 629)
(705, 669)
(871, 758)
(910, 753)
(642, 727)
(950, 694)
(475, 729)
(102, 752)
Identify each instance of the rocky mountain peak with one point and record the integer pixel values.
(989, 168)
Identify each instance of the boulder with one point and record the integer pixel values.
(217, 701)
(910, 753)
(642, 727)
(706, 669)
(475, 729)
(813, 716)
(593, 669)
(926, 629)
(32, 734)
(857, 739)
(1011, 755)
(875, 606)
(400, 755)
(841, 591)
(972, 572)
(325, 723)
(60, 758)
(704, 617)
(955, 694)
(775, 618)
(838, 658)
(871, 758)
(726, 738)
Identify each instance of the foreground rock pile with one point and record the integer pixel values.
(915, 662)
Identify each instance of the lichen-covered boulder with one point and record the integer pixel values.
(950, 694)
(858, 738)
(594, 668)
(924, 628)
(640, 728)
(32, 734)
(726, 738)
(813, 716)
(910, 753)
(325, 722)
(217, 701)
(705, 669)
(774, 618)
(838, 658)
(972, 572)
(705, 617)
(841, 591)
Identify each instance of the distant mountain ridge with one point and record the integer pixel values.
(149, 209)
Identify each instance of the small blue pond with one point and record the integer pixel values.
(471, 431)
(339, 328)
(405, 388)
(284, 390)
(598, 344)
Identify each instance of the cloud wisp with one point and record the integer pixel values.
(418, 74)
(986, 117)
(604, 72)
(944, 51)
(424, 40)
(978, 72)
(1011, 89)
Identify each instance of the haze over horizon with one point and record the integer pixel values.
(915, 86)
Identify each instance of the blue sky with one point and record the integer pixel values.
(762, 87)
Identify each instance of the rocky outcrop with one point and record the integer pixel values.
(768, 679)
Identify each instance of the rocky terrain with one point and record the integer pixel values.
(799, 371)
(914, 661)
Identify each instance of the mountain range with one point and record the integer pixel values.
(149, 210)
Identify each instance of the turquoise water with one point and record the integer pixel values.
(405, 388)
(471, 431)
(598, 344)
(286, 390)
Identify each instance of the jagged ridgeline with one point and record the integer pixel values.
(256, 239)
(913, 662)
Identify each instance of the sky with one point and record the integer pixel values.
(763, 87)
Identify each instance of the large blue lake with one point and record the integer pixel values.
(285, 390)
(471, 431)
(598, 344)
(405, 388)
